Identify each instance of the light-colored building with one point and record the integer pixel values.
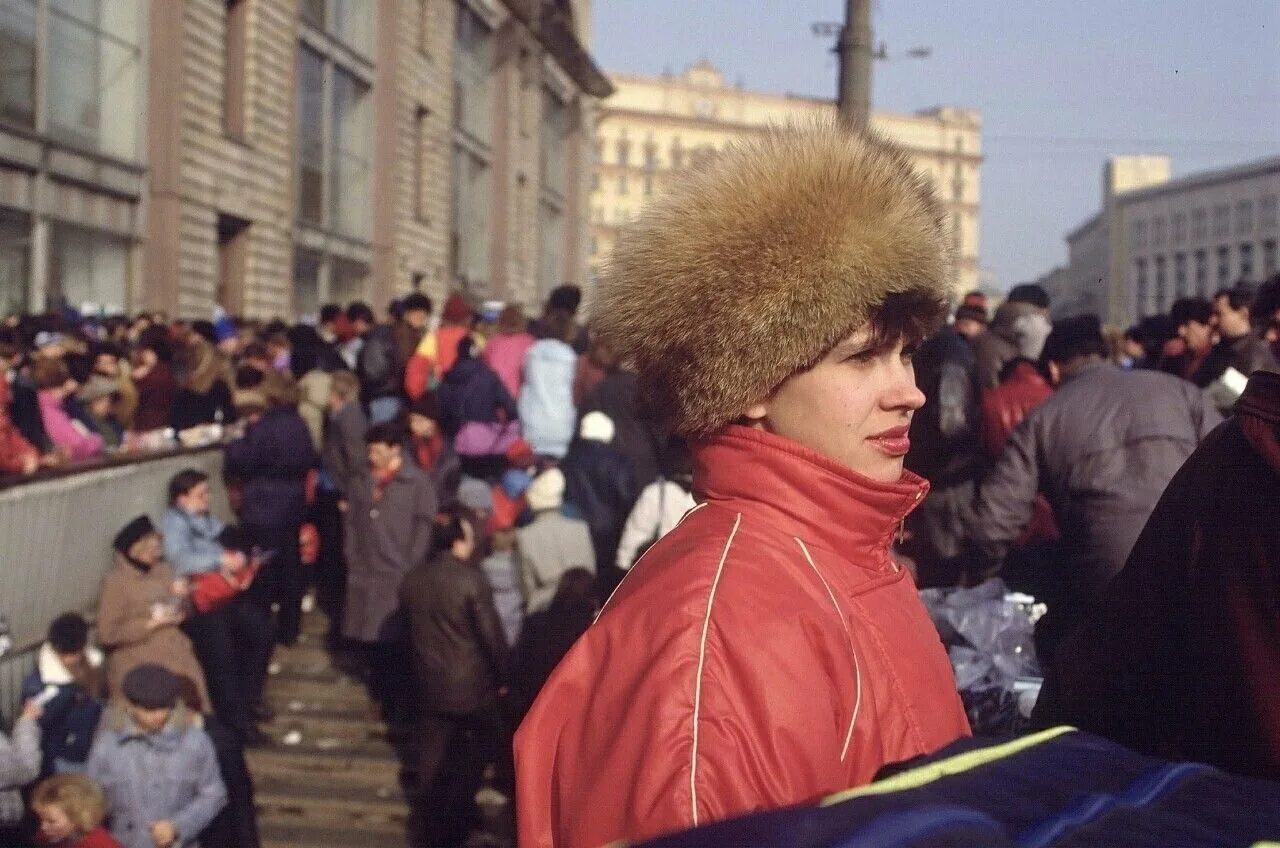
(273, 155)
(652, 127)
(1156, 239)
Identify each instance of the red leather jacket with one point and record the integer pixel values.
(1004, 407)
(764, 653)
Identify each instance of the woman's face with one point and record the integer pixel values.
(853, 407)
(148, 549)
(422, 426)
(54, 823)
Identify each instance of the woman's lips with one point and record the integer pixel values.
(894, 441)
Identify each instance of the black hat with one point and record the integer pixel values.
(132, 532)
(151, 686)
(973, 313)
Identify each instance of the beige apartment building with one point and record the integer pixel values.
(274, 155)
(652, 127)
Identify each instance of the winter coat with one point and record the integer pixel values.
(586, 376)
(99, 837)
(946, 445)
(383, 542)
(1246, 354)
(147, 777)
(15, 449)
(273, 459)
(1017, 329)
(547, 414)
(471, 391)
(70, 435)
(191, 543)
(503, 573)
(505, 354)
(656, 513)
(640, 439)
(124, 608)
(1181, 657)
(547, 637)
(24, 410)
(378, 365)
(156, 391)
(458, 642)
(767, 651)
(313, 403)
(345, 455)
(71, 716)
(435, 357)
(550, 546)
(600, 483)
(191, 408)
(1101, 449)
(1005, 406)
(19, 766)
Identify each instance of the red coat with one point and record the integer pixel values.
(764, 653)
(1004, 407)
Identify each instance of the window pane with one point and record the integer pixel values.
(470, 236)
(88, 271)
(353, 24)
(472, 110)
(352, 175)
(306, 282)
(312, 12)
(17, 61)
(310, 136)
(347, 281)
(15, 256)
(555, 132)
(551, 225)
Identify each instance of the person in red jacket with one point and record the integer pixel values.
(769, 650)
(71, 808)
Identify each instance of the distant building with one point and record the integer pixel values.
(652, 127)
(1156, 240)
(273, 155)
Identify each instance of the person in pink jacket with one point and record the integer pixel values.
(53, 384)
(506, 349)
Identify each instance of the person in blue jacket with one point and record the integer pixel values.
(68, 681)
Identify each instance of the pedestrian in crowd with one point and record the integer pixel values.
(1193, 319)
(139, 613)
(510, 507)
(548, 635)
(378, 365)
(431, 450)
(746, 657)
(593, 366)
(547, 413)
(506, 349)
(233, 641)
(971, 321)
(204, 395)
(601, 485)
(1180, 659)
(1240, 351)
(109, 362)
(388, 526)
(1101, 450)
(1020, 327)
(415, 314)
(438, 350)
(561, 307)
(98, 396)
(661, 505)
(71, 810)
(17, 454)
(272, 460)
(54, 385)
(1265, 313)
(552, 544)
(344, 453)
(19, 766)
(312, 363)
(946, 450)
(68, 679)
(24, 403)
(637, 435)
(502, 570)
(153, 377)
(460, 654)
(471, 393)
(157, 768)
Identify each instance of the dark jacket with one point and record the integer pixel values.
(472, 391)
(379, 366)
(1181, 657)
(1101, 449)
(946, 446)
(1013, 332)
(191, 408)
(24, 410)
(636, 436)
(71, 717)
(155, 399)
(458, 641)
(545, 638)
(273, 459)
(1246, 354)
(600, 483)
(344, 454)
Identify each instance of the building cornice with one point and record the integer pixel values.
(1204, 179)
(554, 31)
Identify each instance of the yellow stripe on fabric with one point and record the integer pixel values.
(917, 777)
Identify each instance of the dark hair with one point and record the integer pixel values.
(676, 461)
(576, 590)
(466, 348)
(567, 297)
(360, 311)
(156, 339)
(1029, 293)
(69, 633)
(386, 433)
(1191, 309)
(1239, 296)
(395, 308)
(256, 350)
(972, 312)
(205, 329)
(248, 377)
(511, 320)
(1075, 337)
(909, 317)
(305, 349)
(448, 528)
(558, 324)
(49, 373)
(329, 312)
(416, 300)
(79, 366)
(184, 481)
(1267, 301)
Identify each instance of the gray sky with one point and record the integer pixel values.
(1061, 85)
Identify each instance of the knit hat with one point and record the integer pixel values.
(475, 494)
(596, 427)
(546, 491)
(151, 686)
(98, 387)
(756, 264)
(427, 405)
(132, 532)
(456, 309)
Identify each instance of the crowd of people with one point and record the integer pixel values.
(458, 493)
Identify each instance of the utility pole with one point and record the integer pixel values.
(855, 51)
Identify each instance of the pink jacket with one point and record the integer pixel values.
(64, 432)
(504, 353)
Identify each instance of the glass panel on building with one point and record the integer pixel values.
(1202, 272)
(88, 271)
(1268, 212)
(1224, 265)
(15, 261)
(553, 160)
(347, 279)
(18, 62)
(1268, 257)
(470, 231)
(310, 136)
(314, 12)
(1246, 261)
(1180, 275)
(1244, 217)
(551, 256)
(306, 281)
(94, 79)
(351, 178)
(353, 24)
(1162, 293)
(473, 106)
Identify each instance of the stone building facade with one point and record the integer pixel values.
(273, 155)
(652, 127)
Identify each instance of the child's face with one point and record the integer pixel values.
(54, 823)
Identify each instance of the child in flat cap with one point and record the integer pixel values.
(769, 650)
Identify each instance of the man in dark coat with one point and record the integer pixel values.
(635, 435)
(1181, 657)
(460, 653)
(1019, 328)
(1101, 449)
(600, 482)
(378, 365)
(472, 391)
(1239, 351)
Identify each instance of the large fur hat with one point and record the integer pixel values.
(753, 267)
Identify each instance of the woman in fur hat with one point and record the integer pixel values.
(769, 650)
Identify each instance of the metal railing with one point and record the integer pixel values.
(55, 542)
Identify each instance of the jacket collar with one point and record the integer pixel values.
(54, 673)
(801, 493)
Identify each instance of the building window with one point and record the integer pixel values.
(1246, 261)
(677, 153)
(351, 140)
(1162, 293)
(235, 53)
(306, 281)
(1141, 287)
(348, 280)
(1268, 212)
(349, 21)
(1157, 232)
(15, 261)
(1139, 234)
(471, 225)
(1244, 217)
(1180, 275)
(554, 165)
(88, 271)
(421, 169)
(1268, 258)
(1224, 265)
(624, 152)
(18, 62)
(310, 136)
(648, 184)
(233, 254)
(1202, 272)
(424, 27)
(1199, 224)
(1221, 221)
(1180, 228)
(622, 184)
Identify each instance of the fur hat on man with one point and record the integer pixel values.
(750, 269)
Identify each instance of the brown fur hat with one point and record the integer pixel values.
(752, 268)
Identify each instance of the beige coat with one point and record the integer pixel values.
(124, 609)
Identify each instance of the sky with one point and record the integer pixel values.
(1060, 86)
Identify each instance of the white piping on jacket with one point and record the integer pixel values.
(857, 670)
(642, 556)
(702, 658)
